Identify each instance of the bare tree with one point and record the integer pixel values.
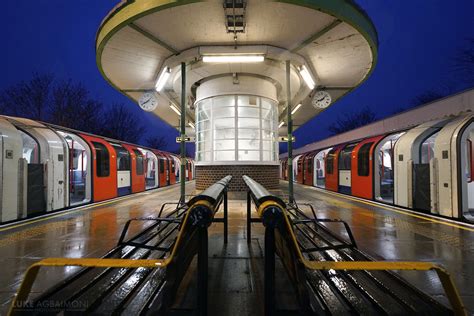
(352, 121)
(463, 64)
(28, 98)
(72, 106)
(120, 123)
(157, 142)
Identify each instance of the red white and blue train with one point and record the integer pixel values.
(428, 168)
(45, 168)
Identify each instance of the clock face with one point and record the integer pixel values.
(148, 101)
(321, 99)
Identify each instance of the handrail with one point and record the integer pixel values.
(446, 280)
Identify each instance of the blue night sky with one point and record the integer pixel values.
(418, 41)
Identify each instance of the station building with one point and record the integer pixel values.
(233, 69)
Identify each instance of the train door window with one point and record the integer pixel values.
(102, 160)
(470, 162)
(162, 165)
(427, 149)
(363, 160)
(345, 157)
(139, 162)
(123, 158)
(330, 161)
(30, 148)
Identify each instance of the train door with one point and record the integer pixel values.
(301, 169)
(151, 169)
(104, 168)
(319, 170)
(308, 169)
(331, 168)
(176, 168)
(124, 170)
(296, 171)
(466, 144)
(162, 168)
(172, 166)
(35, 190)
(79, 161)
(344, 168)
(137, 168)
(421, 175)
(384, 169)
(362, 174)
(10, 160)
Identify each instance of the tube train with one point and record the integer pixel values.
(428, 168)
(45, 168)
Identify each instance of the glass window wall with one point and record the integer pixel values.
(236, 128)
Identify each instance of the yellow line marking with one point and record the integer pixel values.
(394, 210)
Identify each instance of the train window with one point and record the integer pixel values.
(470, 162)
(363, 160)
(102, 160)
(427, 149)
(330, 162)
(123, 158)
(345, 157)
(139, 162)
(162, 166)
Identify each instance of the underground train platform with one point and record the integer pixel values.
(236, 270)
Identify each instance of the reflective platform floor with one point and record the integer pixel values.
(235, 269)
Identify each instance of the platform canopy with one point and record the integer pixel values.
(334, 40)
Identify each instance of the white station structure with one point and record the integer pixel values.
(246, 64)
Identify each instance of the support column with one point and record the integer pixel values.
(182, 173)
(290, 134)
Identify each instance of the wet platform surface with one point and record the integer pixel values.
(236, 270)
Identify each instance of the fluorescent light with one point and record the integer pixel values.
(192, 125)
(281, 124)
(296, 108)
(162, 79)
(175, 109)
(307, 77)
(233, 58)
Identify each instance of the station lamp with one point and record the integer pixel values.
(175, 109)
(241, 58)
(192, 125)
(304, 72)
(296, 108)
(162, 79)
(281, 124)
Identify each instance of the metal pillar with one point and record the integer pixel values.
(226, 217)
(182, 174)
(202, 271)
(290, 134)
